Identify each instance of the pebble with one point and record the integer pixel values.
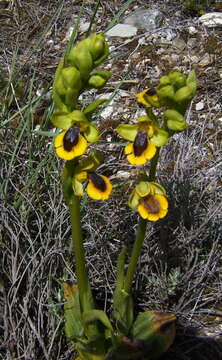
(199, 106)
(145, 19)
(122, 30)
(213, 19)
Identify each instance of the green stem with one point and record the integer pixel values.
(153, 166)
(77, 245)
(141, 230)
(140, 235)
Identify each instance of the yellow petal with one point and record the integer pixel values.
(128, 149)
(96, 193)
(142, 211)
(136, 160)
(77, 150)
(150, 151)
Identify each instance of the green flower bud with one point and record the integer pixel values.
(177, 79)
(99, 79)
(81, 58)
(183, 94)
(98, 48)
(164, 80)
(166, 92)
(71, 78)
(175, 121)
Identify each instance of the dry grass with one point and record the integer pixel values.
(180, 267)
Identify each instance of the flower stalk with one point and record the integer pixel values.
(79, 255)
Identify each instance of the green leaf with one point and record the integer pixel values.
(157, 330)
(127, 131)
(72, 313)
(123, 311)
(93, 106)
(92, 316)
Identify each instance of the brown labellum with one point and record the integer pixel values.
(151, 92)
(151, 204)
(140, 143)
(97, 181)
(71, 138)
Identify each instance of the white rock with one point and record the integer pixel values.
(122, 30)
(213, 19)
(192, 30)
(199, 106)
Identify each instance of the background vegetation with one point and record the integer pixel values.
(181, 265)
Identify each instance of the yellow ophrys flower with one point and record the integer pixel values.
(149, 198)
(145, 137)
(72, 142)
(148, 97)
(99, 186)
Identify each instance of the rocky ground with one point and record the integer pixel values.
(180, 268)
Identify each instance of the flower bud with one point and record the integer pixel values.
(81, 58)
(183, 94)
(166, 92)
(98, 48)
(99, 79)
(71, 78)
(175, 121)
(177, 79)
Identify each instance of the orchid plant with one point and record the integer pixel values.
(127, 335)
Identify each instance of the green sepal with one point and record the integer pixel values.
(143, 188)
(133, 200)
(175, 121)
(65, 120)
(89, 110)
(91, 162)
(160, 137)
(127, 131)
(77, 187)
(156, 188)
(151, 102)
(91, 133)
(157, 330)
(73, 319)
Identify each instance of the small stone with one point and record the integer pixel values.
(199, 106)
(205, 60)
(213, 19)
(192, 30)
(145, 19)
(122, 30)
